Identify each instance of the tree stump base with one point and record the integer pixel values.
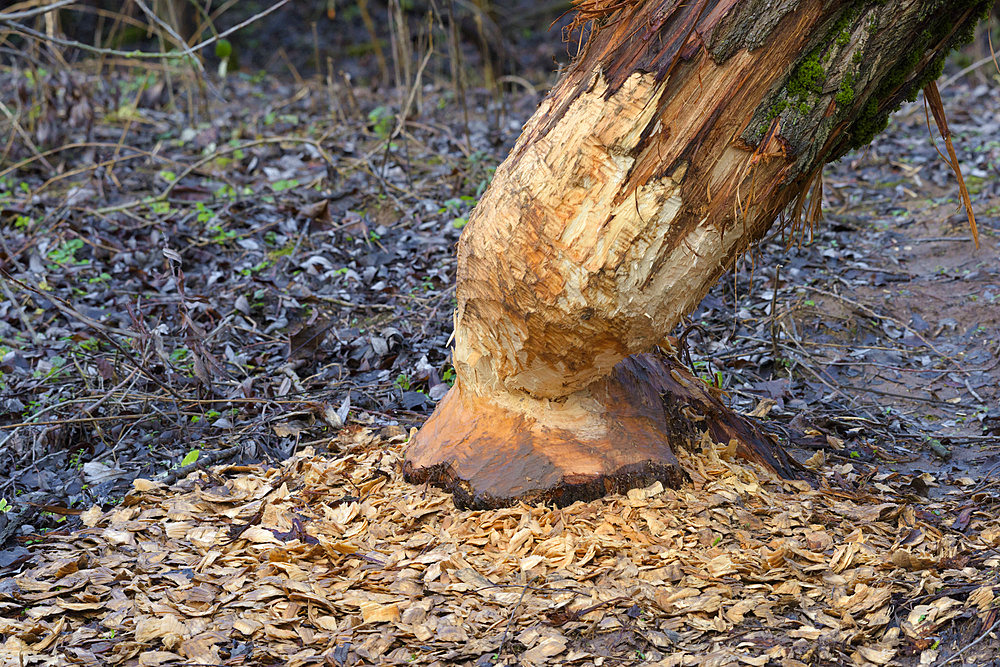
(616, 435)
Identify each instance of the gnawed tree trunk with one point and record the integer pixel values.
(670, 147)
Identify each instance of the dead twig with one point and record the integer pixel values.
(966, 648)
(132, 55)
(73, 420)
(28, 13)
(774, 313)
(513, 613)
(67, 309)
(24, 136)
(206, 459)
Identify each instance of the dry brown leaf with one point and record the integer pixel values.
(143, 485)
(277, 632)
(373, 612)
(148, 628)
(905, 559)
(290, 429)
(806, 632)
(982, 598)
(327, 623)
(720, 566)
(202, 649)
(990, 536)
(117, 537)
(247, 626)
(865, 598)
(816, 461)
(92, 517)
(763, 408)
(880, 656)
(452, 633)
(544, 650)
(154, 658)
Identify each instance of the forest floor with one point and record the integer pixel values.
(217, 331)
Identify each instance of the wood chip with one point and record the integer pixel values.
(401, 575)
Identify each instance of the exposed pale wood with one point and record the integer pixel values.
(647, 170)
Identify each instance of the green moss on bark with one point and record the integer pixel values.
(898, 85)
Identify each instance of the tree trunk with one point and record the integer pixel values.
(678, 136)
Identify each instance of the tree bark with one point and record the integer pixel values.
(678, 136)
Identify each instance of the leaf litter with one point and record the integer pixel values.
(335, 560)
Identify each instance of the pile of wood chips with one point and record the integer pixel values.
(334, 559)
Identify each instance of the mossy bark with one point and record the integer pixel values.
(862, 62)
(653, 163)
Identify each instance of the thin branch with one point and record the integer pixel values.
(255, 17)
(27, 14)
(74, 420)
(81, 144)
(24, 135)
(178, 40)
(969, 646)
(139, 55)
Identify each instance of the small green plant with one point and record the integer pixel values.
(714, 380)
(66, 253)
(382, 120)
(458, 207)
(229, 192)
(57, 368)
(74, 460)
(402, 381)
(224, 52)
(86, 345)
(222, 236)
(284, 184)
(5, 506)
(190, 457)
(257, 268)
(180, 356)
(204, 214)
(448, 377)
